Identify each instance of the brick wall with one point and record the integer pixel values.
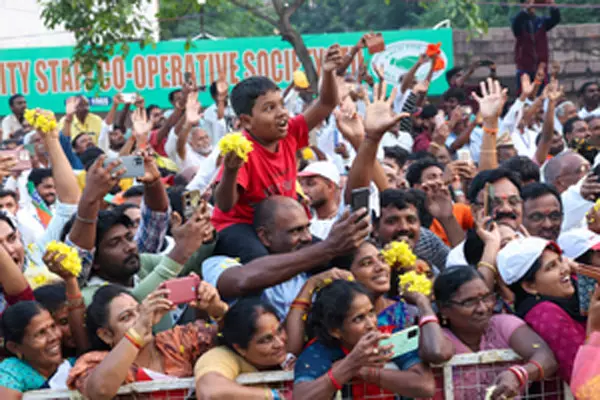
(576, 47)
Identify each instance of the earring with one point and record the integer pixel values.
(444, 321)
(537, 297)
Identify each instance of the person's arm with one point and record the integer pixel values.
(554, 19)
(543, 148)
(328, 98)
(531, 347)
(99, 182)
(12, 280)
(222, 90)
(110, 116)
(491, 246)
(409, 77)
(272, 270)
(518, 22)
(71, 106)
(122, 118)
(191, 118)
(491, 102)
(155, 194)
(439, 205)
(348, 57)
(417, 381)
(227, 191)
(460, 82)
(128, 146)
(169, 124)
(9, 394)
(464, 137)
(215, 386)
(67, 188)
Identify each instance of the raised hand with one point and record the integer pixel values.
(141, 124)
(192, 109)
(368, 353)
(189, 236)
(151, 171)
(555, 69)
(488, 231)
(208, 299)
(421, 87)
(540, 75)
(222, 85)
(118, 99)
(492, 99)
(333, 58)
(379, 71)
(555, 91)
(349, 232)
(7, 163)
(350, 124)
(100, 179)
(71, 106)
(438, 201)
(527, 87)
(53, 260)
(379, 116)
(152, 309)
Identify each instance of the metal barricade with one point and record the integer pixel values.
(465, 377)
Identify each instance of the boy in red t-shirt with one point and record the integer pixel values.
(271, 166)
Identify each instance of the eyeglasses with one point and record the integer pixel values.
(555, 216)
(488, 299)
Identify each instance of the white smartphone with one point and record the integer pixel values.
(404, 341)
(129, 97)
(463, 154)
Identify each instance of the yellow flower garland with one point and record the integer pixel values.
(39, 276)
(399, 255)
(42, 120)
(72, 261)
(237, 143)
(416, 283)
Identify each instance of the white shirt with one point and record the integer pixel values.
(583, 113)
(192, 158)
(216, 128)
(404, 140)
(104, 141)
(206, 174)
(10, 124)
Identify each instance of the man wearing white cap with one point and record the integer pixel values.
(321, 183)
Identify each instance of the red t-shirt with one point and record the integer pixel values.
(265, 174)
(159, 148)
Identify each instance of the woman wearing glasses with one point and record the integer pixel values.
(545, 296)
(466, 303)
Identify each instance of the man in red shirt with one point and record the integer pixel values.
(271, 166)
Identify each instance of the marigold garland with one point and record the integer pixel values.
(415, 282)
(42, 120)
(237, 143)
(399, 255)
(39, 276)
(72, 261)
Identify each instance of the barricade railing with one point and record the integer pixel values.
(464, 377)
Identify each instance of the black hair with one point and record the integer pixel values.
(397, 153)
(150, 108)
(244, 94)
(584, 87)
(174, 193)
(134, 191)
(13, 98)
(16, 318)
(586, 258)
(529, 277)
(119, 127)
(524, 167)
(97, 314)
(415, 171)
(451, 279)
(401, 199)
(6, 192)
(4, 216)
(536, 190)
(76, 139)
(473, 248)
(212, 89)
(106, 220)
(265, 212)
(89, 156)
(429, 111)
(455, 93)
(419, 155)
(239, 324)
(451, 73)
(491, 176)
(330, 308)
(37, 175)
(172, 94)
(53, 296)
(570, 125)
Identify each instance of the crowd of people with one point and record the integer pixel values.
(493, 194)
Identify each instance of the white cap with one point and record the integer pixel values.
(518, 256)
(577, 241)
(325, 169)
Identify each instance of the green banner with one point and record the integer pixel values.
(44, 77)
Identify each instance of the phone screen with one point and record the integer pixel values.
(360, 198)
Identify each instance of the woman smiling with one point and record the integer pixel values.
(32, 336)
(545, 296)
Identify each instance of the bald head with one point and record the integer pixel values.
(565, 169)
(267, 211)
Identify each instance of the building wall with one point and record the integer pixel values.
(576, 47)
(21, 25)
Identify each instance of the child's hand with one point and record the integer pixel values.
(333, 58)
(232, 161)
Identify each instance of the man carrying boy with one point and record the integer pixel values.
(271, 166)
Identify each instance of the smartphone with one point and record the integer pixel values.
(463, 154)
(22, 156)
(183, 290)
(187, 77)
(467, 111)
(360, 199)
(489, 209)
(404, 341)
(133, 165)
(587, 277)
(191, 201)
(129, 97)
(30, 149)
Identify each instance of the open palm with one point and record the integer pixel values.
(350, 124)
(141, 125)
(192, 109)
(379, 116)
(492, 98)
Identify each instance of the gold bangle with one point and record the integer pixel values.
(133, 334)
(488, 266)
(219, 319)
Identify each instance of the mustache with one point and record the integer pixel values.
(408, 234)
(133, 257)
(505, 215)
